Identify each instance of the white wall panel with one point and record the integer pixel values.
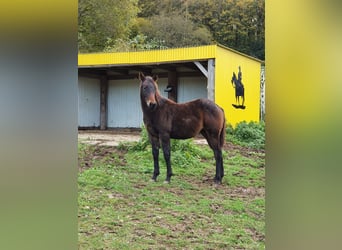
(88, 102)
(162, 83)
(190, 88)
(124, 109)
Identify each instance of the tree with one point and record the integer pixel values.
(112, 25)
(176, 31)
(238, 24)
(154, 8)
(100, 20)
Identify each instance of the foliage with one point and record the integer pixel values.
(100, 20)
(250, 134)
(143, 143)
(184, 152)
(139, 42)
(238, 24)
(176, 30)
(157, 7)
(110, 25)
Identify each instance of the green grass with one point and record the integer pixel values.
(119, 208)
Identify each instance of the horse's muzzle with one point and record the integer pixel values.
(151, 105)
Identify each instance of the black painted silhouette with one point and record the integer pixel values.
(239, 90)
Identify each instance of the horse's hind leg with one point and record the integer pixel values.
(214, 143)
(219, 166)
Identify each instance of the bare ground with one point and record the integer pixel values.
(115, 137)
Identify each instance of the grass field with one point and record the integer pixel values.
(120, 208)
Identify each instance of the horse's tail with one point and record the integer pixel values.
(223, 130)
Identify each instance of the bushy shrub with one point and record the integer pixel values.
(250, 134)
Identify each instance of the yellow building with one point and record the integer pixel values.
(109, 90)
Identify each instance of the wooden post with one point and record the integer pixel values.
(211, 79)
(173, 83)
(103, 103)
(210, 75)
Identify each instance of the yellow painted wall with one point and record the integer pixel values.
(226, 63)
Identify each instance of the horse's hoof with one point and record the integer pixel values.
(217, 185)
(166, 182)
(153, 180)
(217, 182)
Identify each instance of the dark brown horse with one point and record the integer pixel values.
(165, 119)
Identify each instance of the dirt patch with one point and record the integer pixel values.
(245, 151)
(107, 138)
(115, 137)
(104, 154)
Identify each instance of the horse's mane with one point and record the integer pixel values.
(160, 99)
(155, 85)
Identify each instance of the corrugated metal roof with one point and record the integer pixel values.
(145, 57)
(240, 53)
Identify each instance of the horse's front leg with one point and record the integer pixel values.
(167, 156)
(155, 152)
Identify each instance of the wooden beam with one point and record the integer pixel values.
(120, 71)
(173, 83)
(160, 75)
(103, 102)
(201, 68)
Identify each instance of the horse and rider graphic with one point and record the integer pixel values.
(239, 90)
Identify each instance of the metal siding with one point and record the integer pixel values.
(124, 110)
(151, 56)
(88, 102)
(190, 88)
(162, 84)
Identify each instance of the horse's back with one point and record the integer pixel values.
(209, 107)
(203, 106)
(213, 115)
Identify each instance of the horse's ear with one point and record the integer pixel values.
(141, 76)
(155, 78)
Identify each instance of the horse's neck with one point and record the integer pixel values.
(162, 101)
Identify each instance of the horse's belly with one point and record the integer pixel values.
(180, 136)
(184, 133)
(185, 127)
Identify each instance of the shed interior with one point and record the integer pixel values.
(171, 73)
